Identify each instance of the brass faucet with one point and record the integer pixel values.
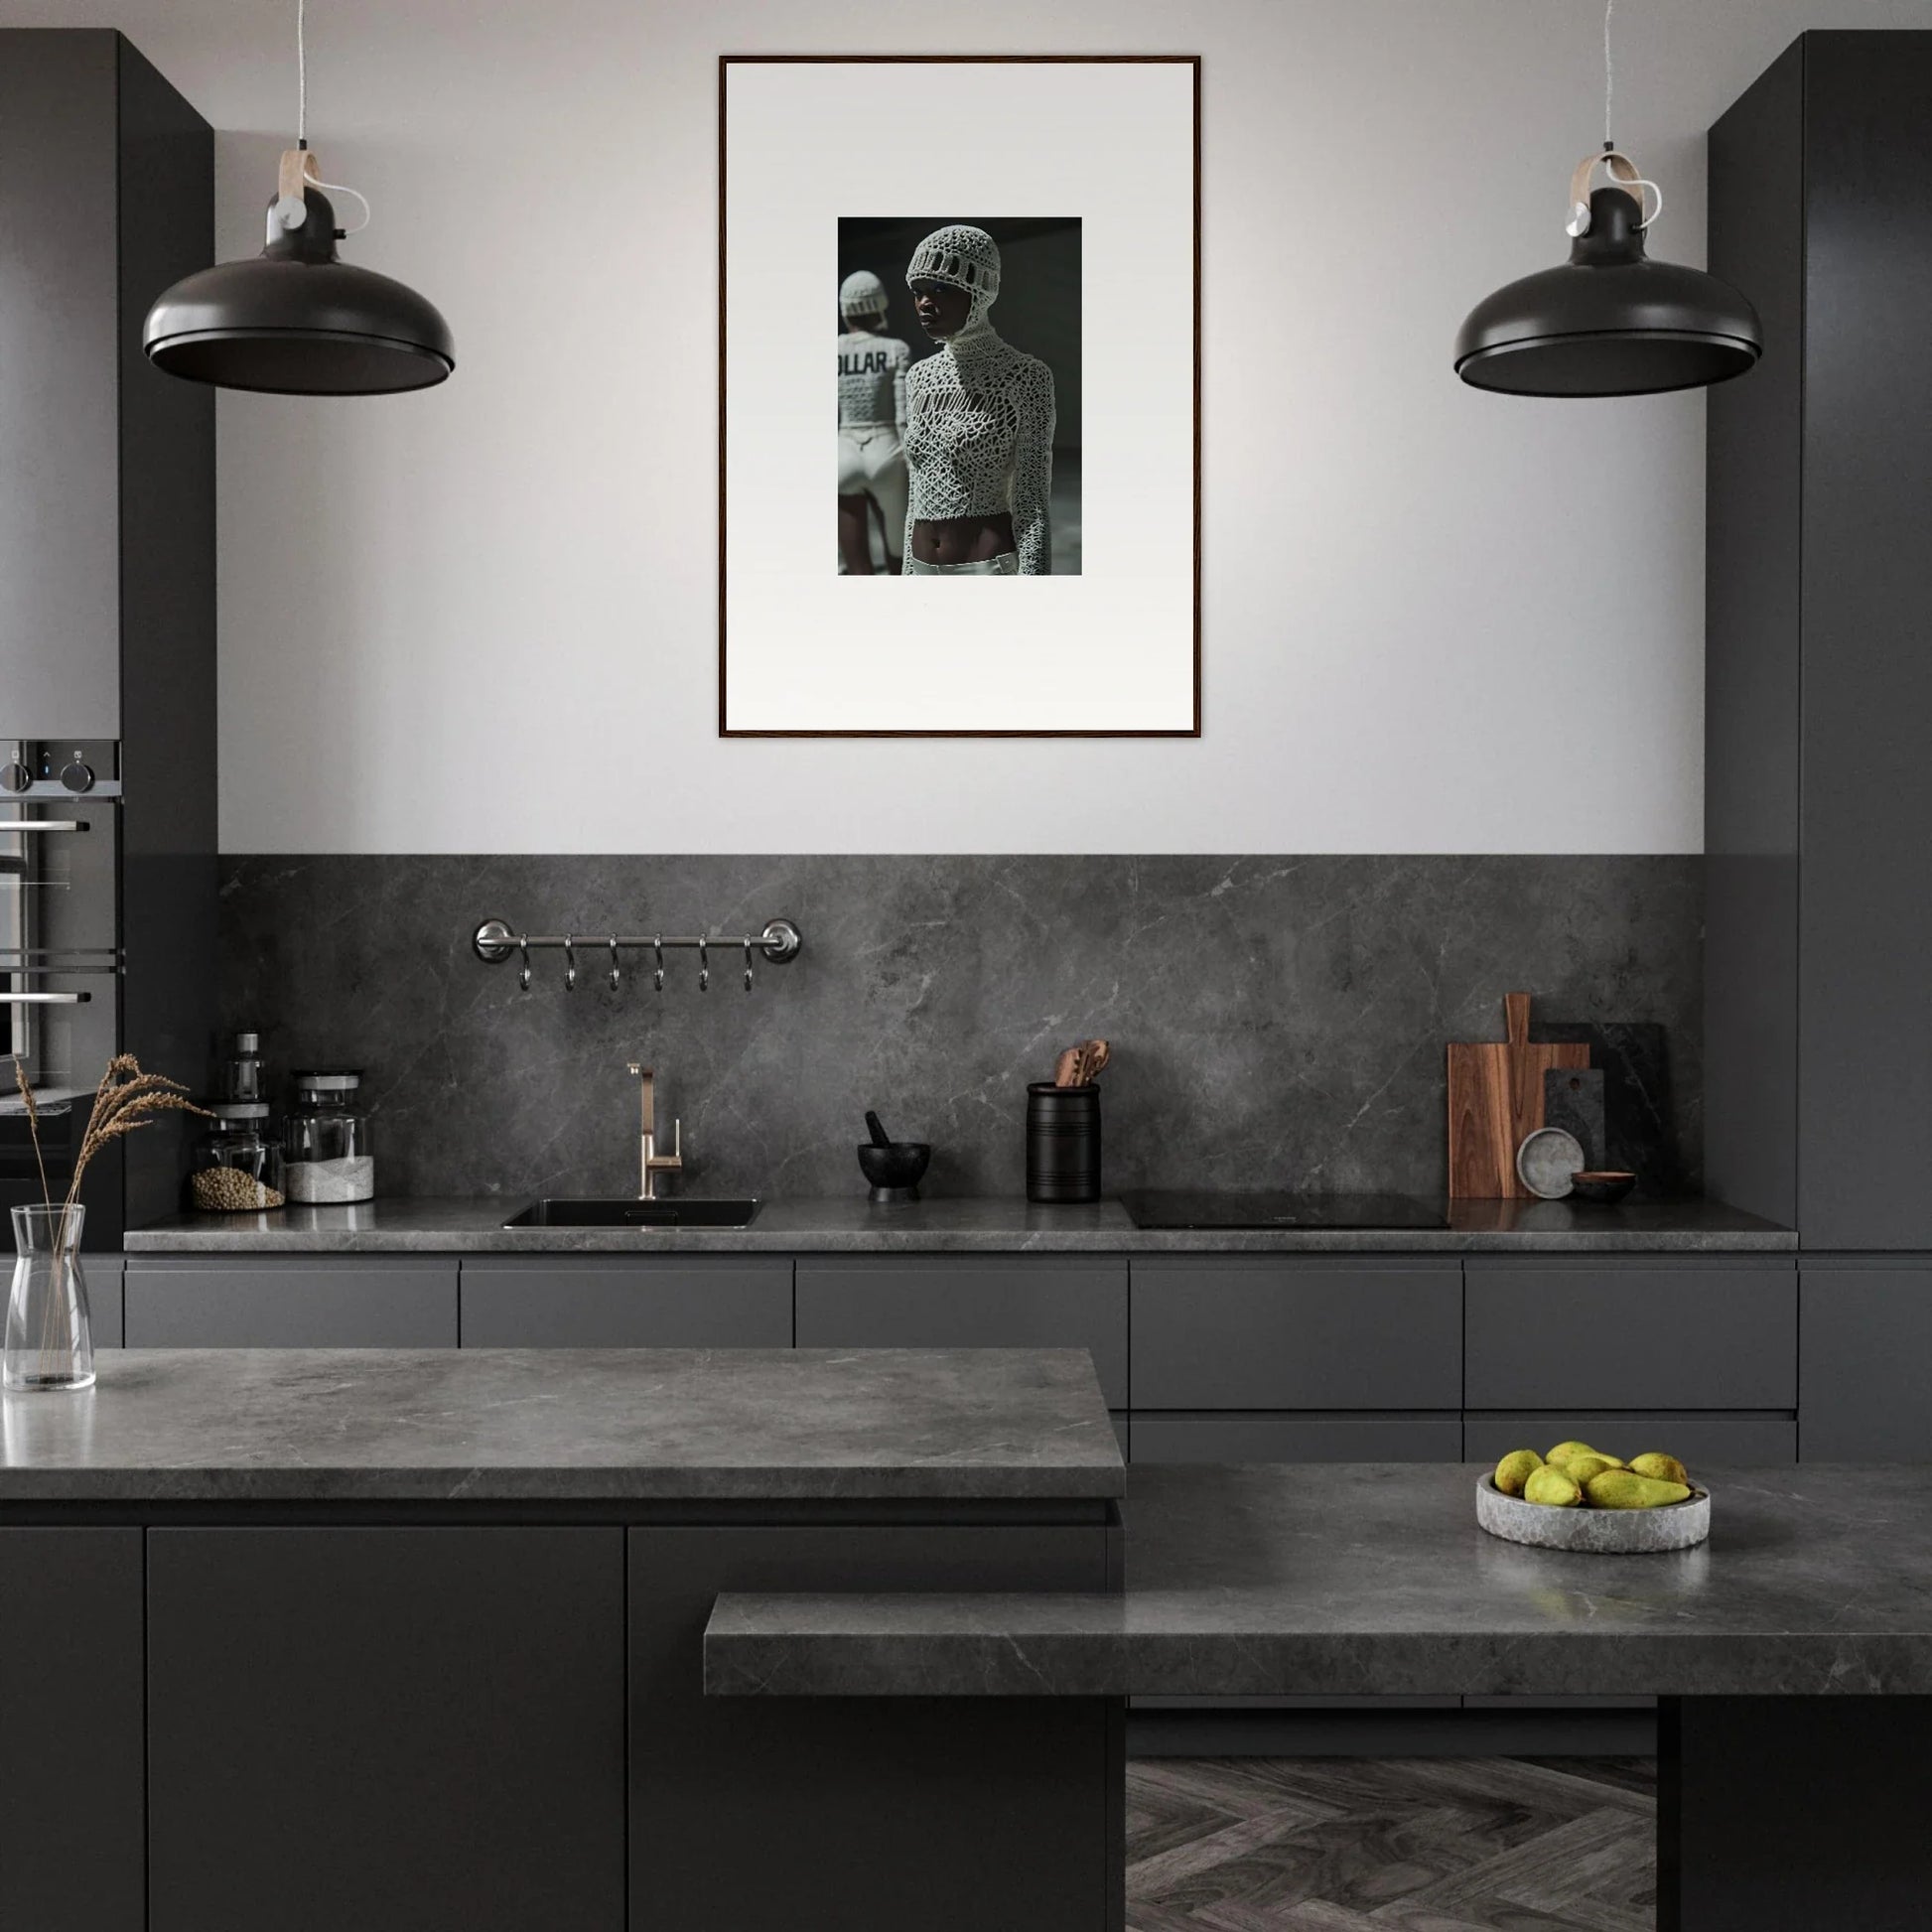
(651, 1163)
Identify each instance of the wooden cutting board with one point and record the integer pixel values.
(1495, 1099)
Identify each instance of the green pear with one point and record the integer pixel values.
(1579, 1468)
(1621, 1489)
(1665, 1468)
(1515, 1469)
(1550, 1485)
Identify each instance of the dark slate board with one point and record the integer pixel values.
(1573, 1099)
(1634, 1059)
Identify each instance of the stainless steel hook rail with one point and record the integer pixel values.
(495, 940)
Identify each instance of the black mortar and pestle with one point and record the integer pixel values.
(893, 1167)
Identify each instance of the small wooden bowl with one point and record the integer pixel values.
(1604, 1185)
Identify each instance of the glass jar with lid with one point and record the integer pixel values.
(237, 1164)
(329, 1154)
(239, 1076)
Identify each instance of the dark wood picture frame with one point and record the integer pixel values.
(728, 60)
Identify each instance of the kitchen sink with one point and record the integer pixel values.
(632, 1213)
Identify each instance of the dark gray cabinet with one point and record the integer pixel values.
(367, 1301)
(973, 1813)
(106, 196)
(1864, 1370)
(1297, 1439)
(60, 599)
(1269, 1333)
(1545, 1333)
(947, 1301)
(103, 1274)
(72, 1747)
(440, 1713)
(572, 1302)
(1818, 796)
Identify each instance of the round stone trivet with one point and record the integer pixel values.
(1599, 1532)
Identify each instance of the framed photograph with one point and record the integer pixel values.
(1011, 248)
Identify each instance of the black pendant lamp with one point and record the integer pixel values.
(1610, 321)
(297, 320)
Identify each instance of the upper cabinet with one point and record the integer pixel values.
(106, 465)
(1818, 680)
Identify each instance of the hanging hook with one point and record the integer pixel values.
(747, 965)
(657, 977)
(570, 962)
(704, 966)
(616, 972)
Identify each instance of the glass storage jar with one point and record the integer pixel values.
(330, 1158)
(237, 1164)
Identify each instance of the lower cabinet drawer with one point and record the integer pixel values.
(1271, 1333)
(103, 1276)
(1549, 1333)
(1696, 1438)
(1017, 1302)
(700, 1302)
(1867, 1362)
(1297, 1439)
(369, 1301)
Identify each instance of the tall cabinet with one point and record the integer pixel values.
(1819, 716)
(107, 752)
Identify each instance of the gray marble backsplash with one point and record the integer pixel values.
(1276, 1021)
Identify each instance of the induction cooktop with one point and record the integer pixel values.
(1165, 1208)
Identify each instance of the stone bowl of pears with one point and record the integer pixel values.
(1581, 1498)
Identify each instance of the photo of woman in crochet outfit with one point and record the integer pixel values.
(871, 426)
(990, 432)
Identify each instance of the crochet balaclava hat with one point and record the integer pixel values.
(861, 292)
(960, 257)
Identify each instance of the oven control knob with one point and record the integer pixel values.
(78, 777)
(15, 777)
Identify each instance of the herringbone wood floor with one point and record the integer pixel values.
(1391, 1844)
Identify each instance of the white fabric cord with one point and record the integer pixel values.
(979, 438)
(1610, 74)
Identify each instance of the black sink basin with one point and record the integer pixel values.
(557, 1213)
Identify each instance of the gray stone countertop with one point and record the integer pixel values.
(959, 1226)
(1373, 1579)
(563, 1425)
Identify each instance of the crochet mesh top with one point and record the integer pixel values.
(979, 440)
(871, 380)
(979, 415)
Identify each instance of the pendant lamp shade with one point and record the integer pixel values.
(299, 321)
(1610, 321)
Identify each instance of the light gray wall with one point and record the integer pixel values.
(431, 605)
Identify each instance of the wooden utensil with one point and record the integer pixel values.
(1496, 1100)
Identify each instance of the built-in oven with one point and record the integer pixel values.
(61, 956)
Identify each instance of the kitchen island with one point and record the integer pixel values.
(1793, 1650)
(413, 1638)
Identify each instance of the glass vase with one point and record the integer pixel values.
(50, 1339)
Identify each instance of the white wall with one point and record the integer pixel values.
(483, 619)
